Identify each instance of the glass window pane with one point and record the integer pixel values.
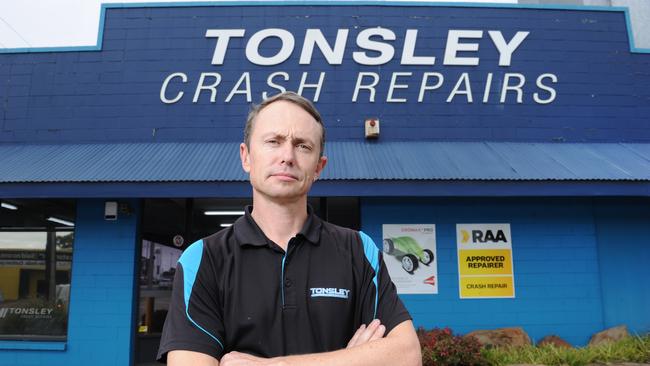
(157, 269)
(35, 269)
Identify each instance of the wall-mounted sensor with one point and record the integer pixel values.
(372, 128)
(110, 210)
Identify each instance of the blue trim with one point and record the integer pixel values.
(372, 254)
(362, 188)
(33, 346)
(50, 49)
(191, 260)
(135, 268)
(102, 15)
(483, 188)
(100, 33)
(284, 257)
(630, 35)
(125, 190)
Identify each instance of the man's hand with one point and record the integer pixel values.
(374, 330)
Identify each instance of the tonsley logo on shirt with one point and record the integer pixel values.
(340, 293)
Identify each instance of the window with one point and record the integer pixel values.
(157, 269)
(36, 242)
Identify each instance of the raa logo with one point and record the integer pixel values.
(480, 236)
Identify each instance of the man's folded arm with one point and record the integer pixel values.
(399, 348)
(190, 358)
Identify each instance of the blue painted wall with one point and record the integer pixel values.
(623, 236)
(113, 94)
(563, 250)
(100, 323)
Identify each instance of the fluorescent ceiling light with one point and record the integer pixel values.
(9, 206)
(225, 225)
(223, 213)
(60, 221)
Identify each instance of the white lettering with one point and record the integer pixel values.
(516, 88)
(25, 311)
(551, 91)
(163, 88)
(394, 85)
(506, 49)
(386, 51)
(454, 46)
(253, 47)
(223, 38)
(318, 86)
(424, 86)
(488, 85)
(374, 46)
(245, 78)
(408, 53)
(269, 82)
(371, 87)
(334, 56)
(329, 292)
(212, 87)
(464, 79)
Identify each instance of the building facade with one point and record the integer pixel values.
(506, 173)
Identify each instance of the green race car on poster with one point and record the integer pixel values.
(408, 251)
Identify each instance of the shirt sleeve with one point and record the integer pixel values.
(379, 295)
(194, 321)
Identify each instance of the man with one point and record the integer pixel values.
(280, 286)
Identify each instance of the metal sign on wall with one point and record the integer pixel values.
(485, 264)
(176, 72)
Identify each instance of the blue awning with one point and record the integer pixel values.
(348, 161)
(120, 162)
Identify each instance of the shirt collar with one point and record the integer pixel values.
(248, 232)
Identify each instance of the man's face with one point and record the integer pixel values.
(283, 158)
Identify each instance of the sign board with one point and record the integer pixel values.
(411, 258)
(429, 71)
(485, 261)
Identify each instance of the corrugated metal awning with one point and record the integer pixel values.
(348, 160)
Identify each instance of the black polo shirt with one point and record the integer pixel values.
(236, 290)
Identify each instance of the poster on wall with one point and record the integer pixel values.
(410, 256)
(485, 268)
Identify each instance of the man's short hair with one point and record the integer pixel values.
(287, 96)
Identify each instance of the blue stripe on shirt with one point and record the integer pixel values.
(191, 260)
(372, 254)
